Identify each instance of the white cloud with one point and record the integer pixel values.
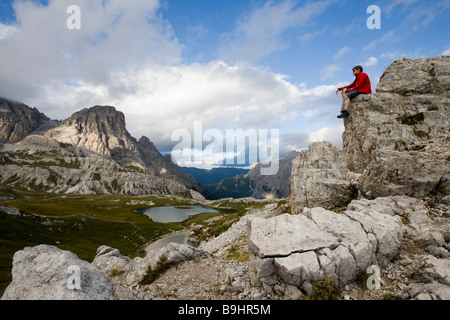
(446, 52)
(328, 72)
(342, 52)
(158, 100)
(330, 134)
(308, 36)
(371, 62)
(6, 31)
(114, 36)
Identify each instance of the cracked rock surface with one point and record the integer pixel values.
(318, 242)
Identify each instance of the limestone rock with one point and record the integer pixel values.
(173, 253)
(433, 238)
(40, 273)
(110, 260)
(397, 138)
(193, 235)
(12, 211)
(320, 178)
(436, 269)
(408, 77)
(17, 120)
(303, 248)
(430, 291)
(286, 234)
(100, 129)
(299, 268)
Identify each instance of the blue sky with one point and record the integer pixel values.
(249, 64)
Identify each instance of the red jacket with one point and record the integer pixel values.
(361, 83)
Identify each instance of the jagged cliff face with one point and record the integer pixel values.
(320, 178)
(100, 129)
(17, 120)
(398, 138)
(396, 142)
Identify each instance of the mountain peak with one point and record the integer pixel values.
(101, 129)
(18, 120)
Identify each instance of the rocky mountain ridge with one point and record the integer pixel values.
(90, 152)
(18, 120)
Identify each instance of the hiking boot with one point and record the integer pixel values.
(344, 114)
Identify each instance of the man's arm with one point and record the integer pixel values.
(349, 86)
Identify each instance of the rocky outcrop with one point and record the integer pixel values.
(395, 143)
(100, 129)
(12, 211)
(294, 251)
(17, 120)
(397, 138)
(306, 247)
(130, 273)
(320, 178)
(47, 273)
(173, 253)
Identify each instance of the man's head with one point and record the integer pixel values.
(357, 70)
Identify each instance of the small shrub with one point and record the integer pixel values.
(234, 254)
(96, 176)
(324, 289)
(421, 134)
(116, 272)
(411, 119)
(152, 274)
(399, 144)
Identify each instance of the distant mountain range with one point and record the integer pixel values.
(214, 175)
(255, 185)
(92, 152)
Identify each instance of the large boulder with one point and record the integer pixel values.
(43, 273)
(320, 178)
(318, 242)
(397, 138)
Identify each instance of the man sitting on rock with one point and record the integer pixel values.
(360, 85)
